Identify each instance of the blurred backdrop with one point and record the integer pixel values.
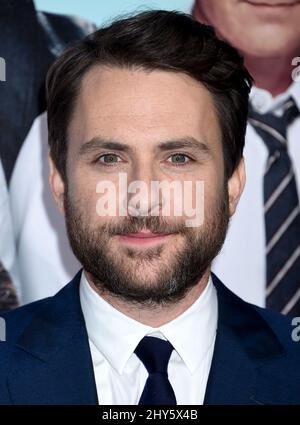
(100, 11)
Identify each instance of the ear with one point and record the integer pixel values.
(236, 185)
(57, 185)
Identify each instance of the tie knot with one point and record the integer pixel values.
(155, 354)
(273, 128)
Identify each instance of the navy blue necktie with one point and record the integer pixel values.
(155, 354)
(281, 211)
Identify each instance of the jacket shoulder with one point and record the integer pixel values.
(12, 325)
(286, 329)
(15, 321)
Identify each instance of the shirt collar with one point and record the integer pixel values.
(263, 102)
(191, 334)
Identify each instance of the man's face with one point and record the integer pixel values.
(150, 126)
(259, 28)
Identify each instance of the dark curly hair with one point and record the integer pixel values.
(151, 40)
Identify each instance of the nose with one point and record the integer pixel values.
(143, 200)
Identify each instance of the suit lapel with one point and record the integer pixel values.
(52, 362)
(245, 345)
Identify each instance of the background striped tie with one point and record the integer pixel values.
(281, 211)
(8, 296)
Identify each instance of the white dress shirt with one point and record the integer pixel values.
(242, 262)
(46, 262)
(120, 375)
(7, 242)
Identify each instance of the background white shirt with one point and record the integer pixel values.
(7, 243)
(46, 262)
(242, 262)
(121, 376)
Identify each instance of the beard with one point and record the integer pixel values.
(122, 273)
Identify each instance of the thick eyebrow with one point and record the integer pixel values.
(97, 143)
(187, 142)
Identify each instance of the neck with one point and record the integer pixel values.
(271, 74)
(154, 316)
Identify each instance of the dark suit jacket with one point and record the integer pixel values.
(46, 358)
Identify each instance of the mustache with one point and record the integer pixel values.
(133, 224)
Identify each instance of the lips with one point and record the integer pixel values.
(144, 239)
(145, 235)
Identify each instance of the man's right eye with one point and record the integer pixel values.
(109, 158)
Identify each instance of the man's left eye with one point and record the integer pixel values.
(109, 158)
(178, 159)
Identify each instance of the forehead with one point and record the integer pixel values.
(122, 103)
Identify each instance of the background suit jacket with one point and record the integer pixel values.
(46, 357)
(30, 41)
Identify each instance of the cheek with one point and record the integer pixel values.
(82, 191)
(203, 195)
(213, 187)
